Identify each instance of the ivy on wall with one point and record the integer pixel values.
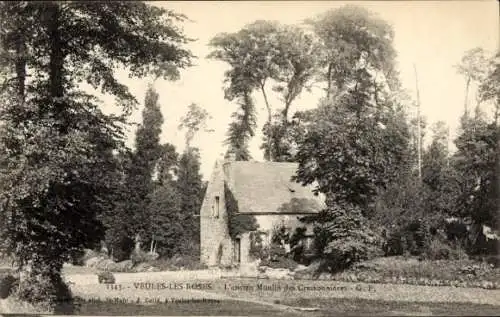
(238, 223)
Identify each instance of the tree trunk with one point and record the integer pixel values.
(21, 66)
(56, 65)
(466, 110)
(42, 274)
(137, 242)
(497, 111)
(269, 122)
(329, 81)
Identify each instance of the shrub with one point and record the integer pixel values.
(479, 244)
(256, 247)
(298, 249)
(276, 251)
(106, 277)
(418, 236)
(455, 230)
(44, 288)
(281, 262)
(7, 283)
(494, 260)
(412, 236)
(343, 253)
(438, 250)
(279, 233)
(187, 262)
(394, 245)
(139, 256)
(77, 257)
(343, 238)
(122, 248)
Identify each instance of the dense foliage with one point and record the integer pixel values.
(58, 171)
(261, 55)
(238, 223)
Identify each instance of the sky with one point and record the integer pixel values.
(433, 36)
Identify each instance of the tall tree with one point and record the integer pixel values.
(242, 129)
(353, 40)
(478, 147)
(191, 189)
(438, 176)
(263, 54)
(163, 204)
(359, 141)
(58, 145)
(363, 127)
(474, 67)
(476, 161)
(489, 89)
(189, 180)
(116, 219)
(144, 160)
(195, 119)
(167, 164)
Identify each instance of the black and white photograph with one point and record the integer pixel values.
(250, 158)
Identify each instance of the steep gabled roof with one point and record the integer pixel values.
(267, 188)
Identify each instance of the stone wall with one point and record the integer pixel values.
(216, 245)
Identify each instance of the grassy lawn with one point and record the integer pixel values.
(411, 267)
(402, 270)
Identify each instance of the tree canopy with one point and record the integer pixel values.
(57, 163)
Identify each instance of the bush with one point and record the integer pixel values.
(276, 251)
(418, 237)
(257, 249)
(455, 231)
(139, 256)
(413, 237)
(123, 248)
(342, 237)
(344, 253)
(106, 277)
(178, 262)
(439, 250)
(7, 283)
(279, 233)
(44, 288)
(493, 260)
(299, 251)
(77, 257)
(280, 262)
(394, 245)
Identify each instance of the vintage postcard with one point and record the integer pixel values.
(249, 158)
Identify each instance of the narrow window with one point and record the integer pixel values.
(216, 206)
